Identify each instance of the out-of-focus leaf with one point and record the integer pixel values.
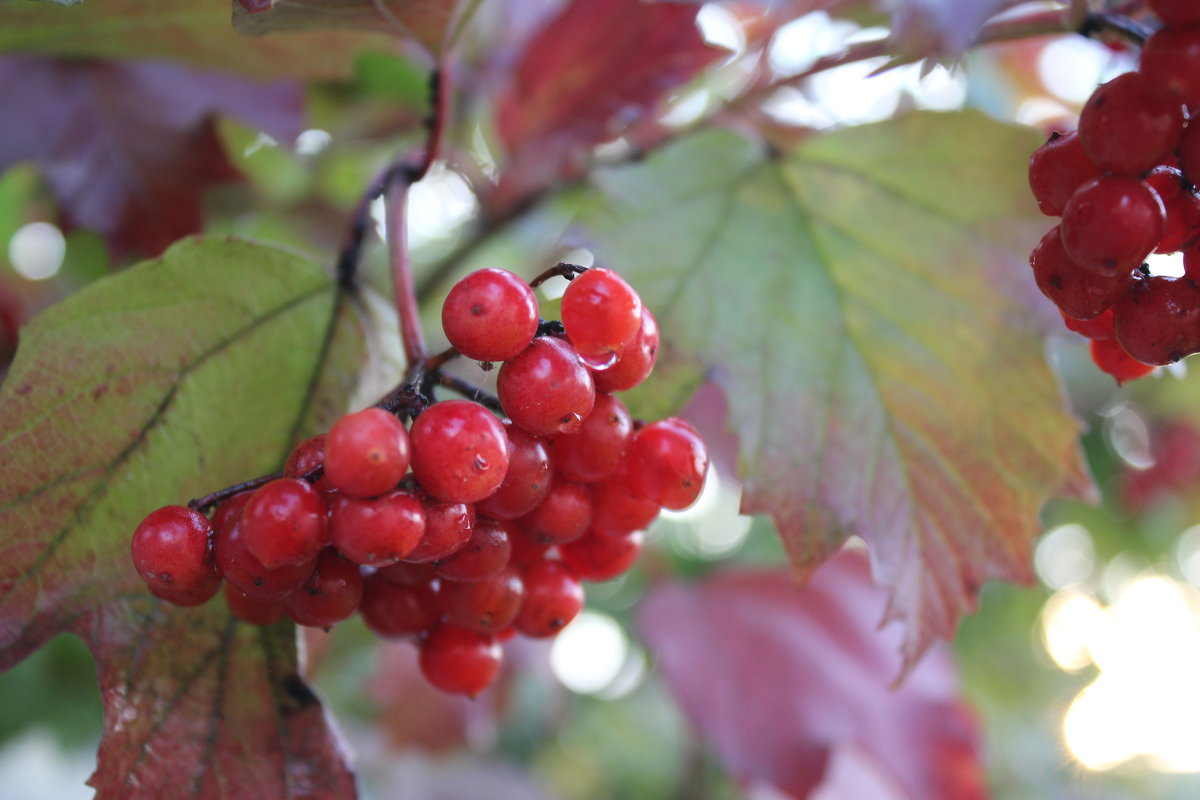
(128, 148)
(862, 303)
(586, 74)
(162, 383)
(821, 673)
(427, 21)
(939, 27)
(197, 32)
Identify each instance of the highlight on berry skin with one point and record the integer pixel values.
(456, 523)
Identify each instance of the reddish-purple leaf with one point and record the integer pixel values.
(782, 680)
(128, 148)
(585, 75)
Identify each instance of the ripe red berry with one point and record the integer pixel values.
(601, 313)
(562, 517)
(1111, 224)
(553, 597)
(251, 610)
(1078, 292)
(1177, 12)
(366, 453)
(636, 361)
(599, 557)
(229, 511)
(546, 389)
(1100, 327)
(284, 523)
(460, 452)
(530, 475)
(331, 594)
(399, 609)
(490, 315)
(1126, 128)
(667, 463)
(172, 551)
(307, 456)
(488, 605)
(459, 661)
(448, 527)
(616, 509)
(243, 570)
(1158, 320)
(485, 554)
(1182, 205)
(1109, 356)
(377, 531)
(1170, 63)
(594, 452)
(1057, 169)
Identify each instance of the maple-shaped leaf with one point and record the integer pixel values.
(129, 147)
(587, 73)
(822, 675)
(429, 22)
(197, 32)
(863, 303)
(162, 383)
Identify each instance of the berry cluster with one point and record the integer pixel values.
(462, 529)
(1124, 184)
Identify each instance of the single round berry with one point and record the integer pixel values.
(594, 452)
(331, 594)
(459, 661)
(616, 509)
(636, 361)
(562, 517)
(1057, 169)
(1111, 224)
(1126, 128)
(1110, 357)
(448, 527)
(251, 610)
(1158, 320)
(530, 475)
(190, 597)
(366, 453)
(485, 554)
(601, 314)
(243, 570)
(553, 597)
(377, 531)
(490, 315)
(1170, 63)
(172, 551)
(598, 557)
(1182, 206)
(1078, 292)
(487, 605)
(546, 389)
(460, 452)
(229, 511)
(1100, 327)
(399, 609)
(307, 456)
(284, 523)
(667, 463)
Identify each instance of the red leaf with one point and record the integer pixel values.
(128, 148)
(782, 681)
(589, 71)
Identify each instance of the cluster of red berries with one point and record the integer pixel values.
(498, 522)
(1124, 184)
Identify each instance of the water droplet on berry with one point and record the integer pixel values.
(599, 361)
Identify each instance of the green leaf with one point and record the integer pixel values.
(179, 376)
(866, 306)
(195, 31)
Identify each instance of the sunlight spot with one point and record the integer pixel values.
(588, 655)
(36, 250)
(311, 142)
(1065, 556)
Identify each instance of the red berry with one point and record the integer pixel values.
(1111, 358)
(488, 605)
(1170, 62)
(377, 531)
(172, 551)
(1057, 169)
(1158, 320)
(307, 456)
(546, 389)
(284, 523)
(366, 453)
(1078, 292)
(635, 362)
(526, 549)
(599, 557)
(616, 509)
(530, 475)
(490, 315)
(407, 573)
(460, 452)
(1182, 207)
(1189, 154)
(553, 597)
(331, 594)
(243, 570)
(1111, 224)
(562, 517)
(459, 661)
(252, 610)
(485, 554)
(1126, 128)
(594, 452)
(1100, 327)
(667, 463)
(601, 313)
(1177, 12)
(395, 609)
(229, 511)
(448, 527)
